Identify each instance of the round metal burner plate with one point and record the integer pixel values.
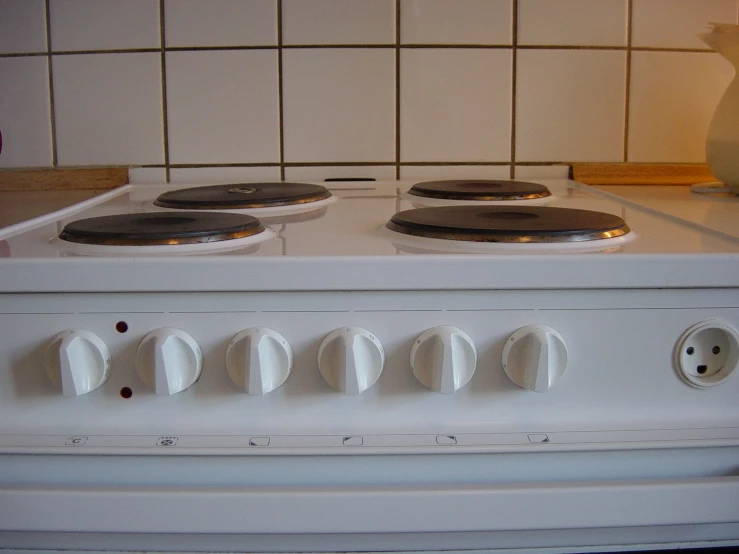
(520, 224)
(170, 228)
(482, 190)
(242, 196)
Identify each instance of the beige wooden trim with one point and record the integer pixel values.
(63, 179)
(641, 174)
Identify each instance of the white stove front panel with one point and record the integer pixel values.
(620, 388)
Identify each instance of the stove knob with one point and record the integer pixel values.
(351, 360)
(258, 360)
(78, 361)
(169, 360)
(535, 357)
(443, 359)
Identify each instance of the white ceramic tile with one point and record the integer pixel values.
(570, 105)
(572, 22)
(104, 24)
(455, 21)
(379, 172)
(339, 105)
(222, 107)
(147, 175)
(22, 26)
(220, 22)
(455, 105)
(675, 23)
(194, 175)
(338, 21)
(432, 172)
(673, 97)
(24, 112)
(542, 171)
(108, 109)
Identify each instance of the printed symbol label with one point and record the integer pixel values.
(353, 441)
(75, 441)
(446, 439)
(166, 441)
(259, 441)
(538, 437)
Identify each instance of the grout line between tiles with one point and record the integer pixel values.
(24, 54)
(354, 46)
(514, 77)
(280, 94)
(52, 109)
(431, 164)
(627, 92)
(682, 50)
(163, 66)
(543, 163)
(389, 163)
(225, 48)
(109, 51)
(457, 46)
(339, 164)
(397, 88)
(192, 166)
(358, 164)
(388, 46)
(568, 47)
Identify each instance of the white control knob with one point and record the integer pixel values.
(258, 360)
(443, 359)
(351, 360)
(77, 361)
(535, 357)
(168, 360)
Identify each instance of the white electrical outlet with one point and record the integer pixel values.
(707, 353)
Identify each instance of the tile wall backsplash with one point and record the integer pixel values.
(217, 90)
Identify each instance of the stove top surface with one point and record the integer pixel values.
(715, 210)
(344, 236)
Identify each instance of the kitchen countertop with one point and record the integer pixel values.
(29, 193)
(17, 206)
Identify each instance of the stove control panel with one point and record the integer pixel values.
(403, 364)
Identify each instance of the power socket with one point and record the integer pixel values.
(707, 353)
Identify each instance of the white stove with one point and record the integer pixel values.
(332, 384)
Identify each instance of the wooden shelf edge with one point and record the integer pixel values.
(102, 178)
(641, 174)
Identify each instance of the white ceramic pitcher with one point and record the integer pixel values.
(722, 141)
